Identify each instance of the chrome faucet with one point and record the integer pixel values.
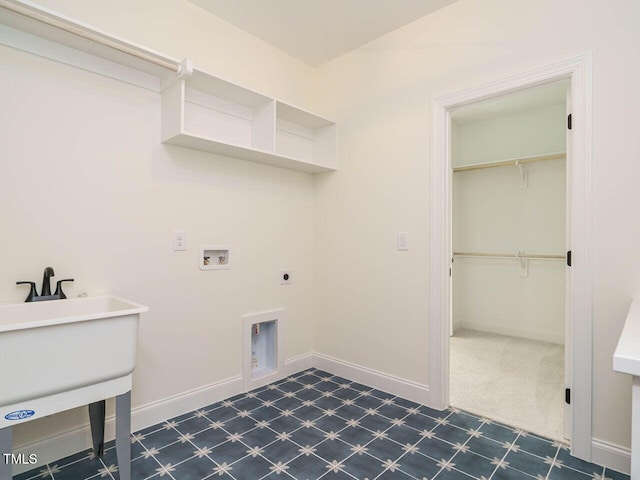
(45, 293)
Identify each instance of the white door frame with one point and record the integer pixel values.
(578, 70)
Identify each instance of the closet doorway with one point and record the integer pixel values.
(509, 242)
(579, 277)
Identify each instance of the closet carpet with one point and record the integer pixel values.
(513, 380)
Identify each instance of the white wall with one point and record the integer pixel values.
(106, 175)
(179, 29)
(528, 132)
(373, 306)
(492, 213)
(87, 188)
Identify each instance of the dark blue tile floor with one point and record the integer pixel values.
(316, 425)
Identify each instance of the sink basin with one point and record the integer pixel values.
(60, 354)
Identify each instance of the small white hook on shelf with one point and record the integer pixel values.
(523, 175)
(524, 264)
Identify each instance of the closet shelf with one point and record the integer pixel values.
(519, 255)
(512, 162)
(30, 27)
(199, 110)
(205, 112)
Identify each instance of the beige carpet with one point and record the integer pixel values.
(511, 380)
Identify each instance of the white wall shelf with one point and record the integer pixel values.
(204, 112)
(35, 29)
(199, 110)
(305, 136)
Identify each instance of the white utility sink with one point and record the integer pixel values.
(626, 359)
(61, 354)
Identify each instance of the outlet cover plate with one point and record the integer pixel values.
(286, 277)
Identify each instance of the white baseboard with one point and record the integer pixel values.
(401, 387)
(612, 456)
(511, 331)
(297, 364)
(78, 439)
(53, 448)
(67, 443)
(50, 449)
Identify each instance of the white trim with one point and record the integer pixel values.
(72, 441)
(276, 316)
(297, 364)
(67, 443)
(515, 331)
(439, 298)
(578, 69)
(65, 55)
(53, 448)
(612, 456)
(155, 412)
(47, 22)
(401, 387)
(27, 26)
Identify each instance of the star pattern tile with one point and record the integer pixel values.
(314, 425)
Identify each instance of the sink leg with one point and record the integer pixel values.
(635, 428)
(6, 447)
(123, 434)
(96, 418)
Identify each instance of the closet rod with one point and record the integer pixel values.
(515, 161)
(65, 25)
(509, 255)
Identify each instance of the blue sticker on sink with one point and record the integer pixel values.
(19, 414)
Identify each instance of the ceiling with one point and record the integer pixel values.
(316, 31)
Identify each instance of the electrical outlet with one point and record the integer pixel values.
(403, 241)
(286, 277)
(179, 240)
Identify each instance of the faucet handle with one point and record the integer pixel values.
(32, 292)
(59, 291)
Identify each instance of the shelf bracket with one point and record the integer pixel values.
(522, 176)
(186, 68)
